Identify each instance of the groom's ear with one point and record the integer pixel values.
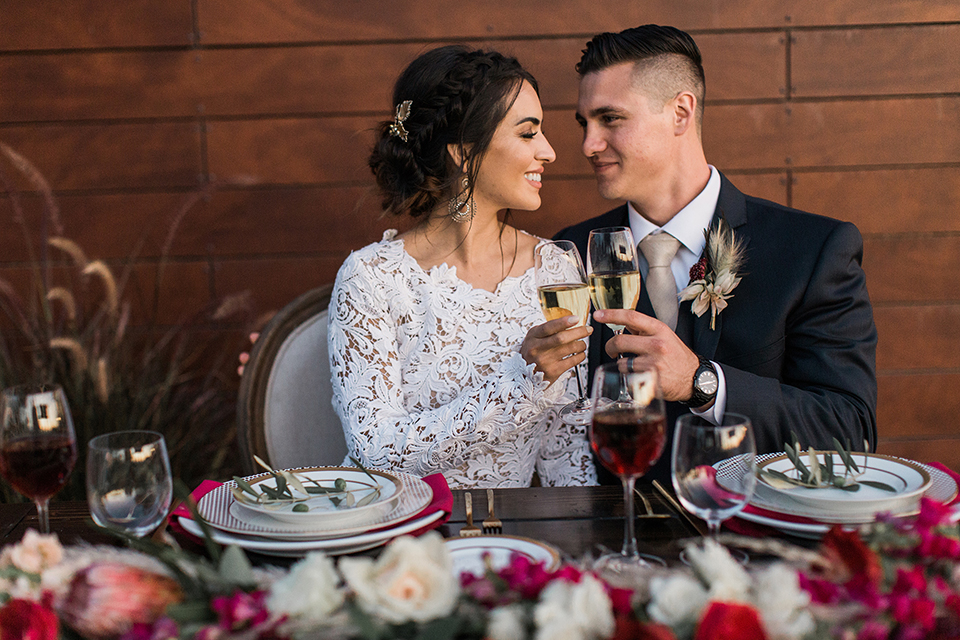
(684, 112)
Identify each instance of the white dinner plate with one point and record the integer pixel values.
(381, 492)
(943, 488)
(331, 546)
(908, 480)
(468, 554)
(222, 511)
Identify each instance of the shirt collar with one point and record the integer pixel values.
(688, 224)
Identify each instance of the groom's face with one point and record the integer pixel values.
(626, 137)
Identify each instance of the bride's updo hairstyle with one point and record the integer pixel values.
(457, 96)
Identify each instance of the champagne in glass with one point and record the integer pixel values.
(614, 270)
(628, 434)
(129, 486)
(38, 446)
(714, 468)
(563, 291)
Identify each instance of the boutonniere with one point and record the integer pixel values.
(714, 276)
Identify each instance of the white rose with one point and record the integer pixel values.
(574, 611)
(36, 552)
(411, 580)
(676, 600)
(727, 580)
(309, 591)
(781, 603)
(506, 623)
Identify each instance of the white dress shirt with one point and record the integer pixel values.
(687, 226)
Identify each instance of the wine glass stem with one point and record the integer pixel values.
(43, 513)
(629, 533)
(576, 374)
(713, 530)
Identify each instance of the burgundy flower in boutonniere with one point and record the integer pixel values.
(714, 276)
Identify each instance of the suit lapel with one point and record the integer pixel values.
(732, 205)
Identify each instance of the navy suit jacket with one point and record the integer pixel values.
(797, 342)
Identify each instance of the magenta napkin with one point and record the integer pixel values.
(442, 501)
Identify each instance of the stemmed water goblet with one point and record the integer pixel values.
(614, 270)
(628, 433)
(129, 486)
(714, 468)
(563, 291)
(38, 446)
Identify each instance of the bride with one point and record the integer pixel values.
(440, 356)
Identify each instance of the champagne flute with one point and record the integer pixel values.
(714, 468)
(38, 446)
(129, 486)
(628, 434)
(563, 291)
(614, 270)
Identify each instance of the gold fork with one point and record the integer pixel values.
(471, 529)
(492, 524)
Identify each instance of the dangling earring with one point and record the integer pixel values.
(461, 207)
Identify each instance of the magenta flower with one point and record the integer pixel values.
(242, 610)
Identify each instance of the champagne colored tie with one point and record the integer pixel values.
(659, 250)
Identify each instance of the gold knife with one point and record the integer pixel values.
(696, 523)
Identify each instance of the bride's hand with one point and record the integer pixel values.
(555, 347)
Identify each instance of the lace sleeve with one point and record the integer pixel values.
(384, 427)
(565, 456)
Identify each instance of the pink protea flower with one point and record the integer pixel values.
(107, 599)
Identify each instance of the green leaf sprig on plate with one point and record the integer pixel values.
(294, 488)
(816, 475)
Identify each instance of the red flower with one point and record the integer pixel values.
(631, 629)
(730, 621)
(850, 559)
(241, 610)
(27, 620)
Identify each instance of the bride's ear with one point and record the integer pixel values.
(458, 155)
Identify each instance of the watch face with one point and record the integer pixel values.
(707, 382)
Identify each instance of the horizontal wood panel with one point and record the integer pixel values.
(912, 268)
(162, 154)
(73, 86)
(849, 12)
(70, 24)
(306, 220)
(738, 66)
(918, 405)
(833, 134)
(104, 226)
(242, 21)
(946, 451)
(291, 151)
(875, 132)
(884, 201)
(917, 337)
(892, 60)
(275, 282)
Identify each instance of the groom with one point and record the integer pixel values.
(794, 349)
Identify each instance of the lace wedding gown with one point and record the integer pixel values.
(428, 376)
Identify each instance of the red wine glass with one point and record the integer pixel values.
(38, 446)
(628, 433)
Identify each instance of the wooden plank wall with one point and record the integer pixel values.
(841, 107)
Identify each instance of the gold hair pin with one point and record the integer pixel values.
(403, 112)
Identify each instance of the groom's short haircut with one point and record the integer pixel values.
(666, 61)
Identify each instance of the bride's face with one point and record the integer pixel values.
(509, 176)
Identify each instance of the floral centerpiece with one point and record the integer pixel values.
(896, 579)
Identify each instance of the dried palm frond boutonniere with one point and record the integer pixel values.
(714, 276)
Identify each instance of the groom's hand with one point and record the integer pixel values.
(652, 343)
(555, 347)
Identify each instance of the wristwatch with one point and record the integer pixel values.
(705, 384)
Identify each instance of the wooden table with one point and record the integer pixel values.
(574, 519)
